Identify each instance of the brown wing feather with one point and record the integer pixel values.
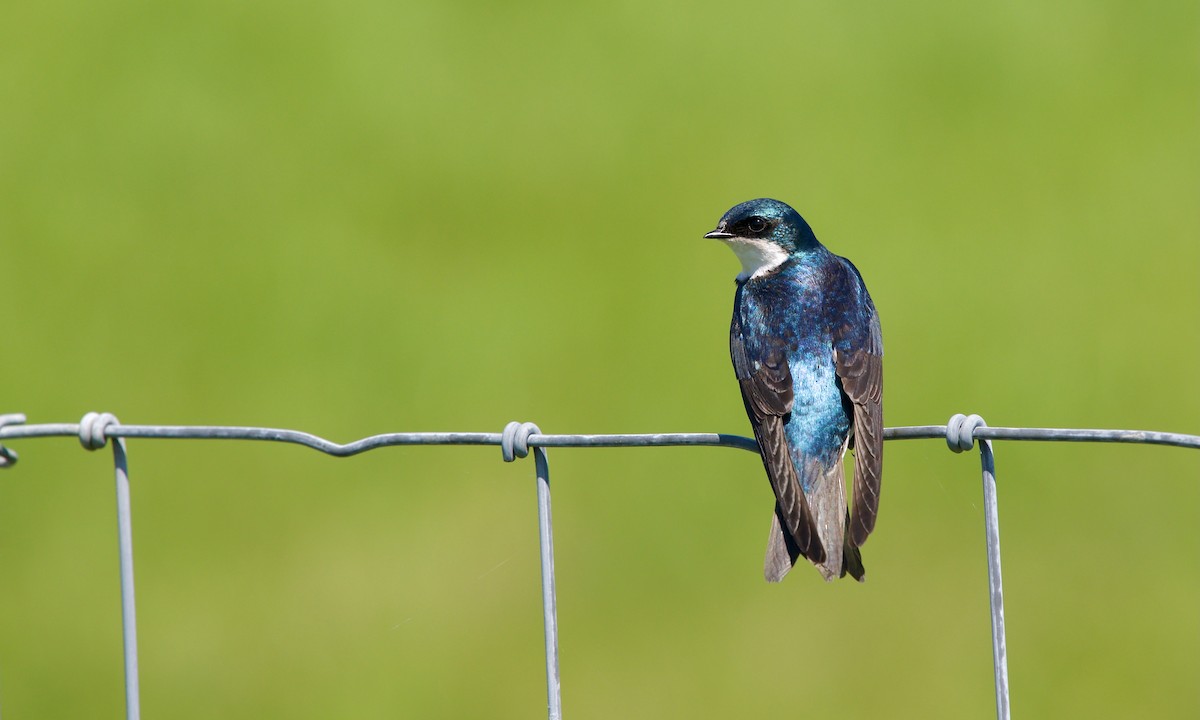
(861, 372)
(767, 393)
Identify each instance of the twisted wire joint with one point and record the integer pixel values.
(960, 431)
(93, 429)
(514, 441)
(8, 457)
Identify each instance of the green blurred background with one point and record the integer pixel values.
(359, 217)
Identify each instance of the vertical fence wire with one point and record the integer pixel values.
(549, 595)
(961, 432)
(128, 609)
(991, 520)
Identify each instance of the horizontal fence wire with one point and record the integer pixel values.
(373, 442)
(517, 441)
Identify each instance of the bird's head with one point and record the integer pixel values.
(763, 233)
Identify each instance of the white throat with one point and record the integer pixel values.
(758, 257)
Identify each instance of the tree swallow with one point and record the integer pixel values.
(808, 354)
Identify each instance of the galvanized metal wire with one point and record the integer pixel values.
(12, 427)
(518, 440)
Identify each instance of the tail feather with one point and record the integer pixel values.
(827, 500)
(852, 564)
(827, 497)
(782, 552)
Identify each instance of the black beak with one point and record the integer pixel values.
(718, 234)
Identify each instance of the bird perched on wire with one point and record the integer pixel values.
(808, 354)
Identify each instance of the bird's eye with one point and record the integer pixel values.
(756, 224)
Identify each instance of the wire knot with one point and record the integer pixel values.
(8, 457)
(93, 429)
(514, 441)
(960, 431)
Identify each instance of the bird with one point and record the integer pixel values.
(807, 351)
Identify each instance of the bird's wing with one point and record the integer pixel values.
(766, 383)
(858, 361)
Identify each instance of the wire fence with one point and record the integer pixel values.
(518, 440)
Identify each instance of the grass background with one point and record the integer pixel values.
(361, 217)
